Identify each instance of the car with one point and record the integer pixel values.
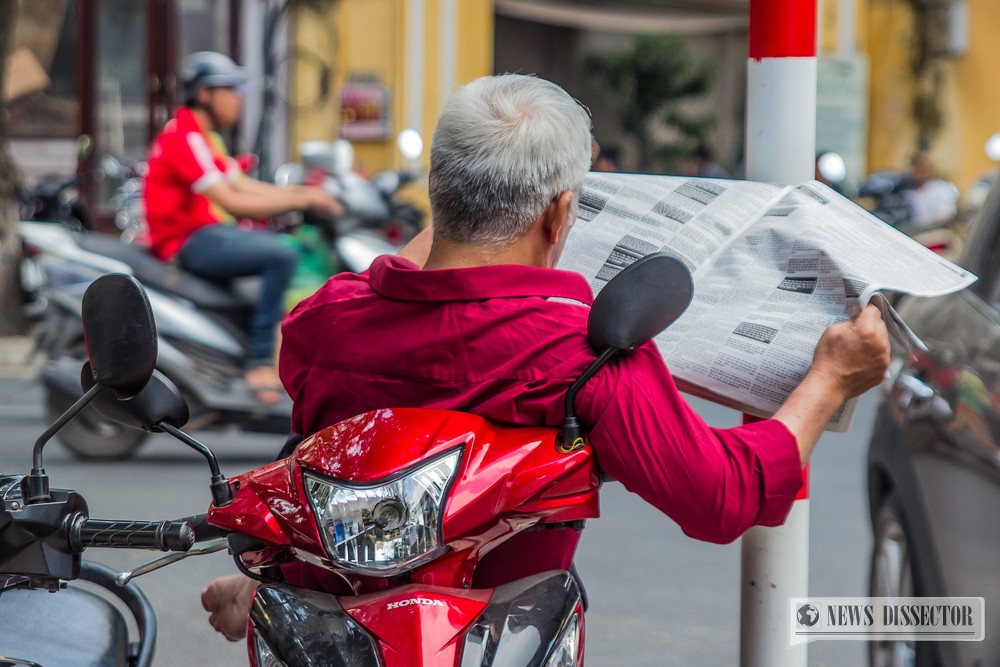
(934, 458)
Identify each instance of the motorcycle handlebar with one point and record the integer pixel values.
(202, 529)
(161, 535)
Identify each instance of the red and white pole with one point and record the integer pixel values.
(780, 148)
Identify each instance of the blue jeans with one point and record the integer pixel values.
(223, 252)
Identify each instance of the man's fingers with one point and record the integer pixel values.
(869, 321)
(208, 598)
(869, 314)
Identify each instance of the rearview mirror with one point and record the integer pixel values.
(641, 301)
(120, 333)
(644, 298)
(159, 402)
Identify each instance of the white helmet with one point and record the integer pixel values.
(208, 69)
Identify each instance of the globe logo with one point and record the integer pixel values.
(807, 615)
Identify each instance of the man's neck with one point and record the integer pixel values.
(447, 255)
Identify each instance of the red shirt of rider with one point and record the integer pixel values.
(505, 343)
(184, 162)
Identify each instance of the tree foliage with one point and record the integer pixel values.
(651, 80)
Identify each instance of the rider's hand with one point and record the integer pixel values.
(850, 358)
(854, 355)
(321, 202)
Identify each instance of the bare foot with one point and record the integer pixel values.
(264, 383)
(227, 599)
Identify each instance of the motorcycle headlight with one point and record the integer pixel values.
(567, 646)
(386, 527)
(265, 656)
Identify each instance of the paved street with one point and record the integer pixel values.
(658, 598)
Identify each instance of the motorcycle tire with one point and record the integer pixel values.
(90, 435)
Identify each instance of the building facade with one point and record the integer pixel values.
(895, 76)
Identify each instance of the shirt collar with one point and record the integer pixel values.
(401, 279)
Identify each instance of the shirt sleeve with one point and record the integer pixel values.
(715, 483)
(192, 162)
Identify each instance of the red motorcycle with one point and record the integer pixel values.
(395, 509)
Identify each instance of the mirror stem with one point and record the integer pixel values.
(572, 433)
(222, 494)
(38, 481)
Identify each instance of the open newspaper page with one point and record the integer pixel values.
(773, 267)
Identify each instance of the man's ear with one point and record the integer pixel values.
(556, 222)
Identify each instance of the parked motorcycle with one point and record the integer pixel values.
(369, 204)
(55, 198)
(893, 197)
(129, 209)
(372, 214)
(202, 323)
(202, 330)
(398, 506)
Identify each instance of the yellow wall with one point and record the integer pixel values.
(371, 37)
(968, 97)
(892, 131)
(978, 90)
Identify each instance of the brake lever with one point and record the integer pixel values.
(206, 548)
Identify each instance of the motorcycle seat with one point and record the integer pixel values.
(71, 627)
(168, 277)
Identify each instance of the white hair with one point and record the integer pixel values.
(505, 146)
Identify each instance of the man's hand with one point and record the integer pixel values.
(227, 600)
(321, 202)
(850, 358)
(854, 355)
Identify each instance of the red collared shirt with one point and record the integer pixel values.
(184, 162)
(505, 342)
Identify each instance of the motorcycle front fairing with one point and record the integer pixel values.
(508, 480)
(526, 623)
(419, 608)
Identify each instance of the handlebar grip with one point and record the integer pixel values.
(161, 535)
(202, 529)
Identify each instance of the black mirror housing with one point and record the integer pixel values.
(641, 301)
(120, 333)
(644, 298)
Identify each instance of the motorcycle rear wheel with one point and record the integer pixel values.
(91, 435)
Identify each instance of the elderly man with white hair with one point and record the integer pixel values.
(474, 317)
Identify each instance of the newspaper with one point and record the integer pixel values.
(773, 266)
